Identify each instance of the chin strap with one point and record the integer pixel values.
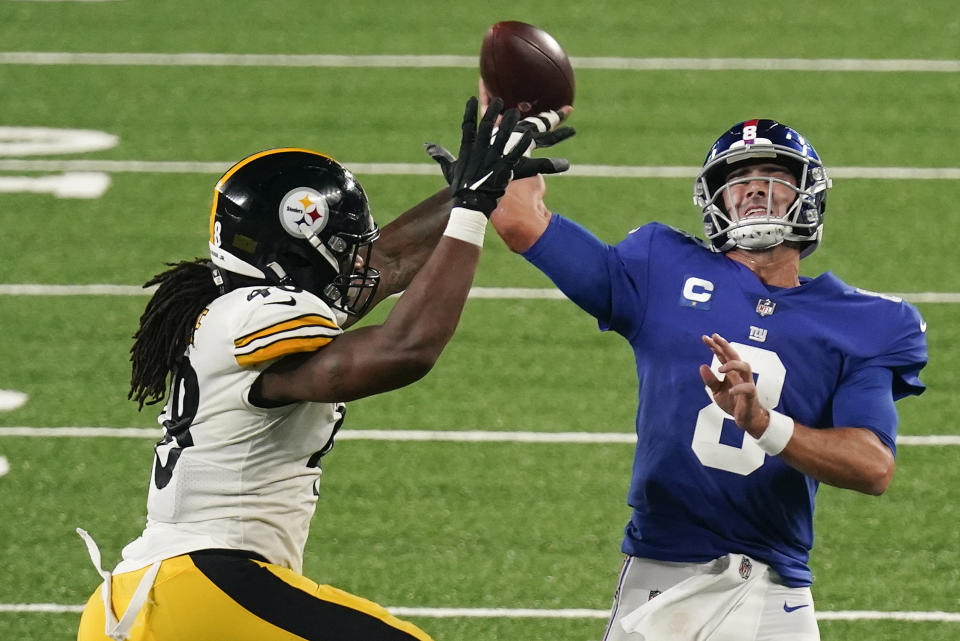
(278, 272)
(218, 279)
(227, 281)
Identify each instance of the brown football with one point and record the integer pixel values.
(525, 67)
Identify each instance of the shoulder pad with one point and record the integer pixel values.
(688, 236)
(280, 321)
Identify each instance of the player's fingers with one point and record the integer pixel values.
(710, 342)
(565, 112)
(719, 340)
(527, 167)
(444, 158)
(492, 114)
(508, 124)
(726, 347)
(550, 138)
(738, 366)
(485, 128)
(517, 138)
(468, 129)
(506, 140)
(724, 350)
(748, 390)
(710, 379)
(561, 134)
(548, 119)
(514, 154)
(438, 152)
(502, 129)
(543, 121)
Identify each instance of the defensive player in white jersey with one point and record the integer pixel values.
(755, 384)
(259, 368)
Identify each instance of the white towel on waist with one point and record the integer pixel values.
(119, 630)
(705, 607)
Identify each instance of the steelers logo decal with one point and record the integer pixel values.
(303, 206)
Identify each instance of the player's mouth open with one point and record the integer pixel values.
(755, 212)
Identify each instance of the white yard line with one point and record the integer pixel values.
(521, 293)
(523, 613)
(470, 62)
(430, 169)
(453, 436)
(29, 289)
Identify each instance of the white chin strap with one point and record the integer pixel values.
(758, 235)
(318, 245)
(233, 264)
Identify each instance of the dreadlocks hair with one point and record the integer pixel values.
(167, 325)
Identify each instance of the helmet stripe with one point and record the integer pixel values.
(749, 135)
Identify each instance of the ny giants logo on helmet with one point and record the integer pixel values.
(303, 210)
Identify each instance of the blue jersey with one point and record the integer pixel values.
(824, 353)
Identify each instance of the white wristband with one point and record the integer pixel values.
(466, 225)
(777, 435)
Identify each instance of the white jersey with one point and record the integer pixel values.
(229, 474)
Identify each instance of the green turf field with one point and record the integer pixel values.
(451, 524)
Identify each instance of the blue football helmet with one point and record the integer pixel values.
(754, 142)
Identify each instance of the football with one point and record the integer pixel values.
(525, 67)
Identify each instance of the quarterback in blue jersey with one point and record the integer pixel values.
(755, 385)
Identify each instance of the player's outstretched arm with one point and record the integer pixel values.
(404, 348)
(405, 244)
(522, 216)
(852, 458)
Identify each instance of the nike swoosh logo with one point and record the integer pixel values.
(787, 608)
(289, 301)
(923, 326)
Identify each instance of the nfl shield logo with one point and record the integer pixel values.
(745, 568)
(765, 306)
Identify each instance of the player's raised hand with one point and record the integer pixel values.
(545, 131)
(736, 393)
(481, 173)
(545, 128)
(540, 130)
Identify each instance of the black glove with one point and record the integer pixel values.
(479, 177)
(543, 134)
(544, 128)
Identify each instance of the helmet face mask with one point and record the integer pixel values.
(353, 288)
(756, 142)
(295, 218)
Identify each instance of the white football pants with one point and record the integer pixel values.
(775, 612)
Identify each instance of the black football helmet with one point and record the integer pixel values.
(294, 217)
(757, 141)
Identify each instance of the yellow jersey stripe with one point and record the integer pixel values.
(308, 320)
(282, 348)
